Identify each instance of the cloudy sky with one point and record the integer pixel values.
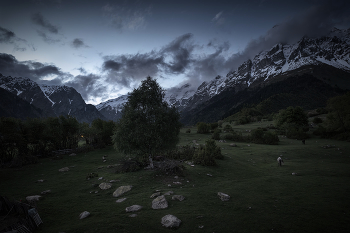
(105, 48)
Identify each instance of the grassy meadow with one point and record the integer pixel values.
(264, 196)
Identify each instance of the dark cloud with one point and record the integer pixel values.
(38, 19)
(125, 69)
(88, 86)
(78, 43)
(9, 37)
(46, 38)
(10, 66)
(6, 36)
(180, 51)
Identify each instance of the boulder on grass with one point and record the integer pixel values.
(170, 221)
(178, 197)
(159, 203)
(33, 198)
(105, 186)
(65, 169)
(83, 215)
(121, 190)
(133, 208)
(223, 196)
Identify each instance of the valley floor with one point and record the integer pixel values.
(263, 196)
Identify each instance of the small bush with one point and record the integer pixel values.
(202, 128)
(128, 165)
(216, 135)
(228, 128)
(213, 126)
(170, 167)
(188, 131)
(234, 136)
(207, 154)
(270, 138)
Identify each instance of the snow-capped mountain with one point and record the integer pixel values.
(332, 50)
(54, 100)
(111, 109)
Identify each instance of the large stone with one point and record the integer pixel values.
(33, 198)
(178, 197)
(223, 196)
(170, 221)
(83, 215)
(133, 208)
(65, 169)
(105, 186)
(121, 190)
(159, 203)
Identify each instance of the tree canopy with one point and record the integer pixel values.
(148, 124)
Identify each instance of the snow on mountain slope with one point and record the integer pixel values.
(333, 50)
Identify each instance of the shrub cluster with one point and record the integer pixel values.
(207, 154)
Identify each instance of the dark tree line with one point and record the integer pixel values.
(24, 141)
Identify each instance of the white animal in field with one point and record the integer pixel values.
(280, 161)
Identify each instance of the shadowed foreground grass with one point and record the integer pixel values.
(264, 197)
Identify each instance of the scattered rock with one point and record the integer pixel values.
(73, 154)
(201, 227)
(209, 174)
(83, 215)
(155, 195)
(133, 208)
(170, 221)
(40, 181)
(176, 177)
(113, 181)
(178, 197)
(100, 178)
(45, 192)
(159, 203)
(223, 196)
(105, 186)
(132, 215)
(65, 169)
(233, 145)
(33, 198)
(176, 182)
(169, 193)
(121, 190)
(120, 200)
(294, 174)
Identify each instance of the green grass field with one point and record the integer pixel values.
(264, 197)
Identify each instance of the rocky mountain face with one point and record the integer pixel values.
(53, 100)
(326, 58)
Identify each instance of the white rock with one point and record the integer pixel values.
(223, 196)
(65, 169)
(84, 215)
(178, 197)
(105, 186)
(33, 198)
(120, 200)
(133, 208)
(170, 221)
(121, 190)
(159, 203)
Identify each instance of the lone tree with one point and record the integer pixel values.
(148, 124)
(294, 120)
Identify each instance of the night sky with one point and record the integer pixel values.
(105, 48)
